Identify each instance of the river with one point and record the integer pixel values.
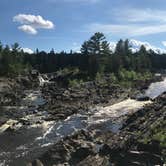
(27, 142)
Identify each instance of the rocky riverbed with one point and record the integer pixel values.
(70, 126)
(104, 147)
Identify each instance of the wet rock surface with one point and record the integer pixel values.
(11, 89)
(73, 149)
(8, 93)
(63, 102)
(123, 148)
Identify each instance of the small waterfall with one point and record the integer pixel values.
(42, 80)
(128, 106)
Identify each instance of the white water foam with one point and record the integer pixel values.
(128, 106)
(47, 144)
(3, 163)
(42, 80)
(47, 126)
(21, 147)
(155, 89)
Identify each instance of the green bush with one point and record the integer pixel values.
(113, 78)
(99, 77)
(75, 83)
(125, 75)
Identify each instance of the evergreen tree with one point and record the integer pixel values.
(96, 45)
(144, 62)
(127, 55)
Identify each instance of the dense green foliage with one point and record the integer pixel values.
(12, 61)
(95, 57)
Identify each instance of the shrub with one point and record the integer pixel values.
(75, 83)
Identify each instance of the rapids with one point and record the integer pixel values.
(26, 142)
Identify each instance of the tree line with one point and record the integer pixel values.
(95, 57)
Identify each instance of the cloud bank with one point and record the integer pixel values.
(28, 50)
(31, 23)
(132, 22)
(140, 15)
(135, 46)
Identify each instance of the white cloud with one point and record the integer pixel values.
(127, 30)
(164, 43)
(112, 46)
(140, 15)
(28, 50)
(136, 44)
(30, 23)
(28, 29)
(132, 22)
(35, 21)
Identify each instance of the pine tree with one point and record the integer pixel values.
(96, 45)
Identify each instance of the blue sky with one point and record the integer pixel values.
(65, 24)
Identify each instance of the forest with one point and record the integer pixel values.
(95, 57)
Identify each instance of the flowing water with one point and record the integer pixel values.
(155, 89)
(30, 141)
